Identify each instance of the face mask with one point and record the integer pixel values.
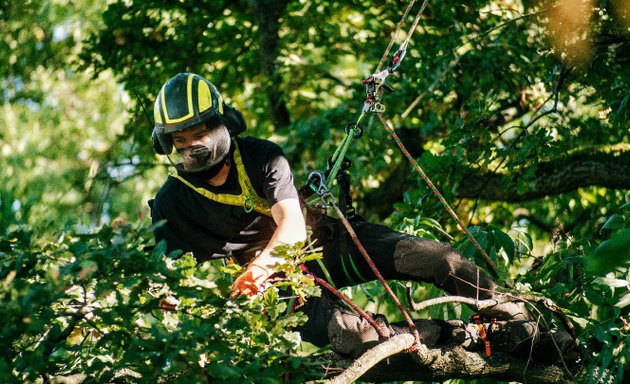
(195, 157)
(205, 155)
(210, 172)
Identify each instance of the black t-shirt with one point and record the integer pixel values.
(210, 229)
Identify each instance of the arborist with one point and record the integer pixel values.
(231, 196)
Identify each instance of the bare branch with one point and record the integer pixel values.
(373, 356)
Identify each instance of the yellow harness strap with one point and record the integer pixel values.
(248, 199)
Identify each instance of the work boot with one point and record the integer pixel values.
(513, 337)
(352, 335)
(556, 345)
(516, 337)
(523, 339)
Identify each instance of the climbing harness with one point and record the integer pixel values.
(248, 199)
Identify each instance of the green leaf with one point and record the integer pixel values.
(613, 223)
(224, 372)
(185, 264)
(611, 253)
(270, 302)
(506, 242)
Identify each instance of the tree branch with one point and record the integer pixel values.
(607, 167)
(373, 356)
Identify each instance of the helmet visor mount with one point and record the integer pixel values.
(196, 149)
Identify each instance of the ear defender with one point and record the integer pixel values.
(235, 122)
(162, 148)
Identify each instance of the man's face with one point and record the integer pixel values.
(200, 147)
(195, 135)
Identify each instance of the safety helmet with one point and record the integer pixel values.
(187, 100)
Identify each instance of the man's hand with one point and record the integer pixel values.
(250, 281)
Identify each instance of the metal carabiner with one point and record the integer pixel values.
(378, 108)
(396, 59)
(316, 181)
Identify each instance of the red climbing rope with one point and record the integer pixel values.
(317, 182)
(374, 83)
(418, 168)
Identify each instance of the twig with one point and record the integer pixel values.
(373, 356)
(477, 304)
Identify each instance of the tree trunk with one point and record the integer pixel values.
(267, 14)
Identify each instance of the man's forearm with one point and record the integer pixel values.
(291, 229)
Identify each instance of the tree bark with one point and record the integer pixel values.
(267, 14)
(609, 168)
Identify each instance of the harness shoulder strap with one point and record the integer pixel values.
(248, 199)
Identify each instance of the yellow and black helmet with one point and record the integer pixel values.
(186, 100)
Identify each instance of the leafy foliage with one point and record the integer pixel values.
(89, 304)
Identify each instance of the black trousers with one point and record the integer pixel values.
(397, 256)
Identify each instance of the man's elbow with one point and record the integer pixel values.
(301, 233)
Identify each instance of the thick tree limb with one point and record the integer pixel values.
(386, 362)
(604, 167)
(446, 363)
(607, 167)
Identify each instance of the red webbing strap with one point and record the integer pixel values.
(346, 300)
(477, 320)
(376, 272)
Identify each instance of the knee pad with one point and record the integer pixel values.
(352, 335)
(423, 258)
